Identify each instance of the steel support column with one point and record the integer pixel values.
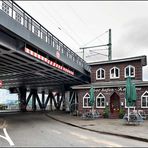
(39, 102)
(22, 98)
(43, 100)
(34, 91)
(58, 101)
(51, 104)
(46, 102)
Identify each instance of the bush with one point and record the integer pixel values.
(106, 112)
(121, 113)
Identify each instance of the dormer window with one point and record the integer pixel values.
(114, 73)
(129, 71)
(100, 74)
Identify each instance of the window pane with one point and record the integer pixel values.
(112, 71)
(102, 73)
(117, 74)
(98, 73)
(127, 71)
(98, 102)
(143, 101)
(132, 71)
(85, 102)
(102, 102)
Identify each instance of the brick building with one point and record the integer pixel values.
(109, 81)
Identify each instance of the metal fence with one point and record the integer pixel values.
(22, 17)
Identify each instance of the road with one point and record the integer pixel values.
(36, 129)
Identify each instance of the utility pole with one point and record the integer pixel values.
(110, 47)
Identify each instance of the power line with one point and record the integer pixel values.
(96, 54)
(95, 38)
(59, 26)
(68, 26)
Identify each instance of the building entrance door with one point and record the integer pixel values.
(114, 105)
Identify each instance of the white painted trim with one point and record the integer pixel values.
(7, 137)
(146, 101)
(88, 102)
(129, 66)
(100, 74)
(114, 73)
(104, 101)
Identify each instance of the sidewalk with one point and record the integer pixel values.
(108, 126)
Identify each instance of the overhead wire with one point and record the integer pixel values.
(95, 38)
(62, 28)
(82, 20)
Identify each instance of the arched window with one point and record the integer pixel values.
(114, 73)
(100, 74)
(129, 71)
(100, 101)
(86, 103)
(144, 100)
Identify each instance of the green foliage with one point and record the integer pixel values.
(121, 113)
(2, 107)
(106, 112)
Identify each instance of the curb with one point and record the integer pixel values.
(101, 132)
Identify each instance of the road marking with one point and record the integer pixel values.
(3, 137)
(79, 135)
(7, 137)
(57, 132)
(109, 144)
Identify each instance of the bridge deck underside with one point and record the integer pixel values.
(19, 69)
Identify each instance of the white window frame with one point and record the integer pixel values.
(101, 78)
(114, 76)
(127, 106)
(85, 97)
(129, 67)
(143, 95)
(101, 100)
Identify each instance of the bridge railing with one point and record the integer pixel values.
(22, 17)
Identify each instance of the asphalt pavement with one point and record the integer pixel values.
(106, 126)
(101, 125)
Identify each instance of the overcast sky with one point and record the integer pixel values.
(77, 23)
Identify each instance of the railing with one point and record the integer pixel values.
(22, 17)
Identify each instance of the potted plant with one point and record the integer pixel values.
(106, 112)
(121, 113)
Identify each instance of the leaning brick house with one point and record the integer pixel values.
(109, 80)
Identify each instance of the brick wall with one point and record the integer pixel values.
(138, 71)
(107, 94)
